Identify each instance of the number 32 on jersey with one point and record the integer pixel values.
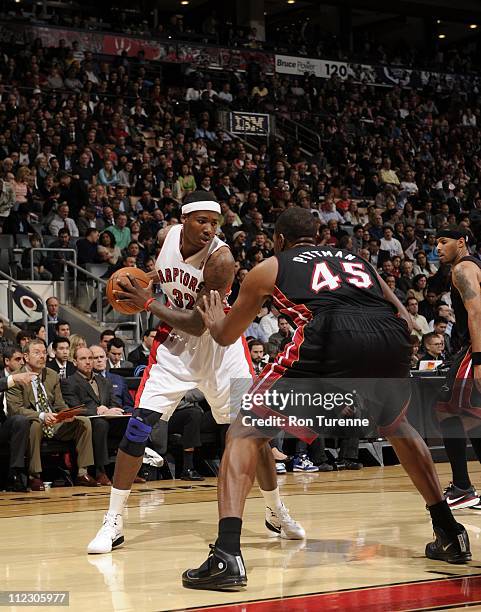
(354, 274)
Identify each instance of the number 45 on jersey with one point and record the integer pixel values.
(324, 278)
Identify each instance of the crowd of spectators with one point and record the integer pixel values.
(99, 155)
(298, 34)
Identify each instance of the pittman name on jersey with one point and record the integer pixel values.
(307, 256)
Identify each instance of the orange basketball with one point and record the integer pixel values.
(113, 285)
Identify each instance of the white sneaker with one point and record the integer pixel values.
(279, 522)
(303, 464)
(109, 536)
(280, 467)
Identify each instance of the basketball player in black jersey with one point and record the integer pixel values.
(349, 325)
(460, 412)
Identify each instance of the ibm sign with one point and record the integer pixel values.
(250, 124)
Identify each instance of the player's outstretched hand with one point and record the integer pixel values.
(133, 293)
(211, 310)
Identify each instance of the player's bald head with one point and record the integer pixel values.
(294, 225)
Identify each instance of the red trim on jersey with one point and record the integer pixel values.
(289, 357)
(162, 333)
(460, 400)
(272, 373)
(285, 306)
(248, 357)
(464, 390)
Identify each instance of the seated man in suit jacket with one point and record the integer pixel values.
(140, 355)
(14, 430)
(39, 401)
(119, 384)
(60, 363)
(96, 393)
(115, 353)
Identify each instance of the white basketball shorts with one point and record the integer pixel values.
(179, 363)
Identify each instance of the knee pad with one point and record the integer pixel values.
(138, 431)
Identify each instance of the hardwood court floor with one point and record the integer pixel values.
(366, 534)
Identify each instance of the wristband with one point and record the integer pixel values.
(476, 358)
(148, 303)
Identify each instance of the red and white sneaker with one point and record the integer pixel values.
(460, 498)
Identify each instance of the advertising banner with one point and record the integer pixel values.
(249, 124)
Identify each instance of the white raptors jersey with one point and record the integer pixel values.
(179, 361)
(181, 280)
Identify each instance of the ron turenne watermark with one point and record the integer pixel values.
(294, 421)
(278, 401)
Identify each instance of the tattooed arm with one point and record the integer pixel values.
(218, 276)
(467, 279)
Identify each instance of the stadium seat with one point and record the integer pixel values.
(23, 241)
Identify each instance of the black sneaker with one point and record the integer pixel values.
(347, 464)
(460, 498)
(221, 571)
(453, 549)
(17, 483)
(325, 467)
(190, 475)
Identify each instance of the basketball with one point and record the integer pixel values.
(113, 285)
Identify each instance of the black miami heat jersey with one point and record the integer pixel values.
(345, 328)
(323, 278)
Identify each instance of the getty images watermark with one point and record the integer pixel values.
(278, 402)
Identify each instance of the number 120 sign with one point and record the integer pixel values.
(330, 69)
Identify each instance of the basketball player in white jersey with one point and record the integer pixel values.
(191, 263)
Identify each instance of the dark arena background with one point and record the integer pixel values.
(363, 112)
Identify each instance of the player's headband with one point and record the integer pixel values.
(209, 205)
(454, 234)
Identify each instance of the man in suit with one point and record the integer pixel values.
(225, 189)
(14, 430)
(96, 393)
(73, 191)
(60, 363)
(38, 402)
(68, 160)
(140, 355)
(456, 202)
(13, 362)
(61, 329)
(115, 354)
(90, 220)
(105, 337)
(55, 262)
(52, 314)
(119, 385)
